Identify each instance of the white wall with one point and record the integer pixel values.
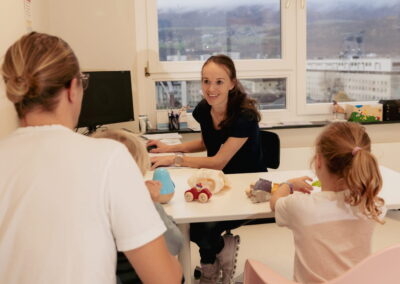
(297, 145)
(297, 158)
(40, 15)
(101, 32)
(12, 26)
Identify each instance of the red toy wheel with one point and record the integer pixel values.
(203, 198)
(189, 196)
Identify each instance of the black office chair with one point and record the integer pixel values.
(271, 147)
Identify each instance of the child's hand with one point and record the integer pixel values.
(154, 187)
(301, 184)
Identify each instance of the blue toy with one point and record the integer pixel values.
(168, 187)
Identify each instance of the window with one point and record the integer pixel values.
(178, 94)
(293, 57)
(194, 30)
(181, 35)
(352, 39)
(269, 93)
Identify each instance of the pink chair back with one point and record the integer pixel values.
(256, 272)
(381, 267)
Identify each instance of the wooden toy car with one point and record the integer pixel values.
(198, 193)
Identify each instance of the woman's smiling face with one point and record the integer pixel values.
(216, 84)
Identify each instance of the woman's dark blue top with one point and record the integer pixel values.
(249, 157)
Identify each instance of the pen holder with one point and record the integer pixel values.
(167, 185)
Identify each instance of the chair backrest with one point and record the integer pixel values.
(271, 147)
(256, 272)
(381, 267)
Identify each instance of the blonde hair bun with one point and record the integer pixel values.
(35, 68)
(17, 88)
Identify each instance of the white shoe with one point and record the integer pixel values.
(210, 273)
(228, 257)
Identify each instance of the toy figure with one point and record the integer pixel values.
(261, 190)
(198, 192)
(336, 109)
(316, 183)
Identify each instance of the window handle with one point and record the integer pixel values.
(288, 3)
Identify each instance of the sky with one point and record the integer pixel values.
(232, 3)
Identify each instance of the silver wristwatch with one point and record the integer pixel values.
(178, 160)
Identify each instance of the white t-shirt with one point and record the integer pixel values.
(67, 203)
(330, 235)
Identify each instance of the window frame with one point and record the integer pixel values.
(291, 66)
(286, 62)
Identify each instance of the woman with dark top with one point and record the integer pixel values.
(248, 158)
(230, 135)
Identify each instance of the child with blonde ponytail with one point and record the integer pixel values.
(337, 222)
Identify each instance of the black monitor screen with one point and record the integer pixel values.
(108, 99)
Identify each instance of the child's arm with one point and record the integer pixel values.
(154, 187)
(298, 184)
(173, 236)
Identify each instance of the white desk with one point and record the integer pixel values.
(233, 204)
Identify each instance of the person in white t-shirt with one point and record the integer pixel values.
(66, 200)
(332, 229)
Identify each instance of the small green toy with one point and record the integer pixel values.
(316, 183)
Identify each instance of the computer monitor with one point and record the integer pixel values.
(108, 99)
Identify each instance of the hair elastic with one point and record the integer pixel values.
(355, 150)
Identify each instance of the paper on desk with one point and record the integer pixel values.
(162, 136)
(171, 141)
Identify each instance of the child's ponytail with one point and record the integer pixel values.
(365, 182)
(346, 149)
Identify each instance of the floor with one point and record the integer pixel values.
(273, 245)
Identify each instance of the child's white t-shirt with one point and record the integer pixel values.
(67, 204)
(330, 235)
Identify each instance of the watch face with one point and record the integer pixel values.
(178, 160)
